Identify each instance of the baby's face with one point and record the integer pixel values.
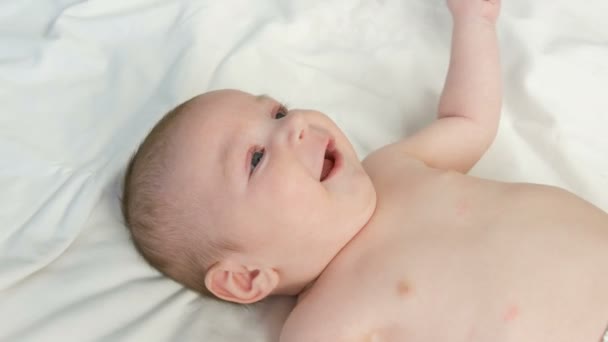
(287, 184)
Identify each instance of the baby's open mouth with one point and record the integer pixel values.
(329, 161)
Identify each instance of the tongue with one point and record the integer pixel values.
(328, 164)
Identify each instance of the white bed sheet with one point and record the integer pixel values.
(81, 82)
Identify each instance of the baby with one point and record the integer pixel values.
(235, 195)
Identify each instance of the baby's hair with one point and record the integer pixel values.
(161, 224)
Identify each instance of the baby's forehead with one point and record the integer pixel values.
(219, 112)
(214, 130)
(207, 133)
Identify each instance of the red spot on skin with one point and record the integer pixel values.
(511, 314)
(463, 208)
(403, 288)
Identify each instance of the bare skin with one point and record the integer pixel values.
(403, 246)
(448, 257)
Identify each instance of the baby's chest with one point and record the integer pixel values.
(348, 311)
(382, 297)
(400, 280)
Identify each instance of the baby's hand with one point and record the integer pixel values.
(464, 10)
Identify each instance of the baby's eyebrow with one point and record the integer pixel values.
(264, 97)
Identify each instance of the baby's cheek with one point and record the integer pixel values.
(294, 191)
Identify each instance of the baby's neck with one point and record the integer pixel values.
(305, 291)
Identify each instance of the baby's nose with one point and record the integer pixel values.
(296, 127)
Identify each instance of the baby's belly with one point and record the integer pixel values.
(534, 270)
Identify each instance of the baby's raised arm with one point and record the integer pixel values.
(469, 108)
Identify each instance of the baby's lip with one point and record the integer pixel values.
(333, 159)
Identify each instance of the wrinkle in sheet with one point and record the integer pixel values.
(247, 37)
(48, 230)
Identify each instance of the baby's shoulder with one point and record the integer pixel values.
(308, 320)
(389, 164)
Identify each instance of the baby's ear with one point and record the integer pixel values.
(240, 284)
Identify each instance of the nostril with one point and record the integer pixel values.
(301, 135)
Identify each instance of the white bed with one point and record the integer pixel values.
(81, 83)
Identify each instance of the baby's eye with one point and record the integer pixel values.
(256, 157)
(281, 113)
